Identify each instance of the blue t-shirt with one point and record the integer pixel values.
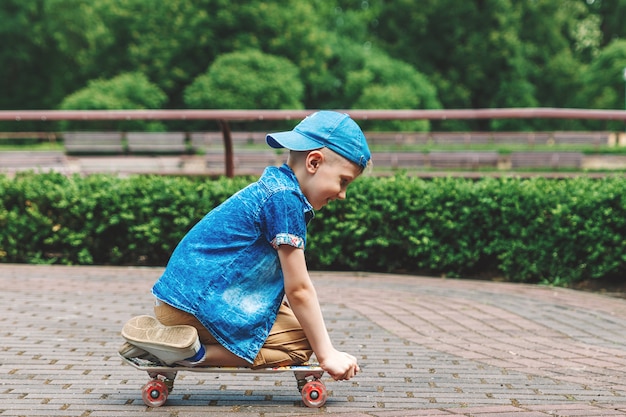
(226, 270)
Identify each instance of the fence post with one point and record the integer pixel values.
(229, 159)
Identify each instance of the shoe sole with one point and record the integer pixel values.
(168, 343)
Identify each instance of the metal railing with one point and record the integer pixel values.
(223, 117)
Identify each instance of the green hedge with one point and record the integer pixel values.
(530, 230)
(101, 219)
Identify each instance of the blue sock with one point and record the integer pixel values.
(198, 356)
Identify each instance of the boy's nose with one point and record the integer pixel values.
(341, 195)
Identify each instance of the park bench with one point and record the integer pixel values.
(451, 138)
(553, 160)
(465, 160)
(480, 138)
(14, 161)
(515, 138)
(156, 142)
(39, 136)
(93, 143)
(245, 161)
(581, 138)
(201, 141)
(398, 160)
(462, 138)
(248, 138)
(397, 138)
(124, 164)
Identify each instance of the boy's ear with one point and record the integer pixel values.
(313, 160)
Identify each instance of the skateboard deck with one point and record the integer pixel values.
(155, 392)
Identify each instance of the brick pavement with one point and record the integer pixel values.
(428, 347)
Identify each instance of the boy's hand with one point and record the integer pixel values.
(340, 365)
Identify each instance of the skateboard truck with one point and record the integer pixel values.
(313, 390)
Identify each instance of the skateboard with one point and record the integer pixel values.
(155, 392)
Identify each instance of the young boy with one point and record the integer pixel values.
(220, 300)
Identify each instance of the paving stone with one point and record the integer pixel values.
(427, 347)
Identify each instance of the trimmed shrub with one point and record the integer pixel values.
(247, 79)
(528, 230)
(132, 91)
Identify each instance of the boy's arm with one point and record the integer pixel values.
(305, 305)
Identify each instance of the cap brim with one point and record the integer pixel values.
(292, 140)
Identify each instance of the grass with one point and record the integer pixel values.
(44, 146)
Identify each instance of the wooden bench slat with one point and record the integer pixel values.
(471, 160)
(451, 138)
(546, 159)
(156, 142)
(129, 164)
(12, 161)
(204, 140)
(397, 138)
(245, 161)
(582, 138)
(93, 142)
(248, 138)
(399, 159)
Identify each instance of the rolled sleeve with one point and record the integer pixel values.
(283, 220)
(287, 239)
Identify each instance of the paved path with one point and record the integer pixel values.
(428, 347)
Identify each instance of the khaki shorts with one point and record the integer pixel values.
(285, 345)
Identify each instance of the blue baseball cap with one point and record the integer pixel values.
(330, 129)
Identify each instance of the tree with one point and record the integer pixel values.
(28, 64)
(173, 41)
(170, 42)
(126, 91)
(470, 54)
(385, 83)
(603, 83)
(467, 49)
(494, 53)
(292, 29)
(247, 80)
(611, 16)
(546, 70)
(559, 37)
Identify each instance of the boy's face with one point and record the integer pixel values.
(328, 179)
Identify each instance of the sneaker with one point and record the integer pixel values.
(170, 344)
(129, 351)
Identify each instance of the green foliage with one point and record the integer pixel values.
(611, 14)
(101, 219)
(170, 42)
(126, 91)
(527, 230)
(536, 230)
(31, 71)
(348, 54)
(483, 36)
(384, 83)
(608, 66)
(247, 80)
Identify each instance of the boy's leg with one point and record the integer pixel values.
(216, 354)
(171, 316)
(286, 343)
